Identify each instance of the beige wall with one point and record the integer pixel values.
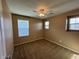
(6, 30)
(36, 30)
(59, 35)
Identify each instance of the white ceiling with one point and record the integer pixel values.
(26, 7)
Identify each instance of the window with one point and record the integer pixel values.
(73, 23)
(23, 28)
(46, 24)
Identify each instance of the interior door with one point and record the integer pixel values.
(1, 44)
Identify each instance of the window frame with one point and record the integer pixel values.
(28, 29)
(68, 21)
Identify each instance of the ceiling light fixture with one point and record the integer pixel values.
(43, 12)
(41, 15)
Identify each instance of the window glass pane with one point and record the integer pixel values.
(77, 20)
(47, 25)
(23, 28)
(72, 20)
(74, 23)
(74, 26)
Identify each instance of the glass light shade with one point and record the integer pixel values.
(41, 15)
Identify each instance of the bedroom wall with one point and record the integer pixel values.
(58, 34)
(36, 30)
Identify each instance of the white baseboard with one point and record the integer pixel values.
(63, 46)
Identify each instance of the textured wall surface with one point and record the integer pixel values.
(36, 30)
(58, 34)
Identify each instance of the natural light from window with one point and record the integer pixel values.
(74, 23)
(47, 25)
(23, 28)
